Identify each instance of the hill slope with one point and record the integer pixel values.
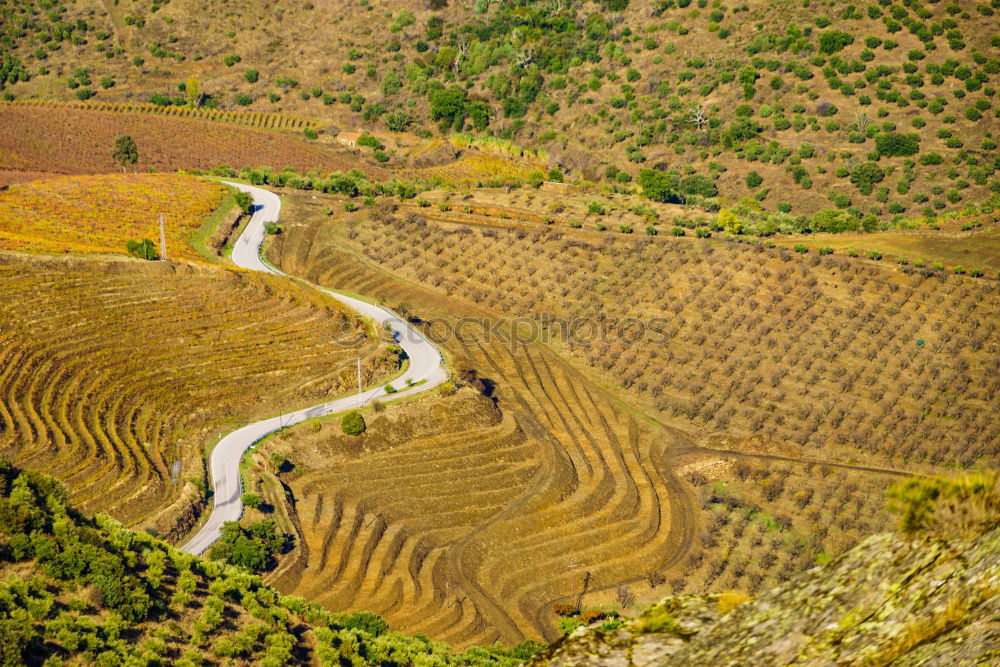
(763, 98)
(88, 590)
(910, 599)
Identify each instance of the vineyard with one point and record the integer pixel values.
(116, 374)
(99, 214)
(478, 168)
(65, 140)
(574, 496)
(258, 119)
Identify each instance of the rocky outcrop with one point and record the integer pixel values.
(893, 599)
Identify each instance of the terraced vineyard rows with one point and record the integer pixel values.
(99, 214)
(478, 168)
(116, 374)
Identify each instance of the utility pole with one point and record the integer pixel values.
(163, 239)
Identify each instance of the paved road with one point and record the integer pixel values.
(425, 365)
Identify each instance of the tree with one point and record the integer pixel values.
(659, 186)
(448, 106)
(252, 499)
(729, 221)
(244, 201)
(193, 90)
(253, 547)
(353, 423)
(125, 151)
(831, 41)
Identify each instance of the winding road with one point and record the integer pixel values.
(425, 367)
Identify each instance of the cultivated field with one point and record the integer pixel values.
(748, 338)
(65, 140)
(609, 506)
(99, 214)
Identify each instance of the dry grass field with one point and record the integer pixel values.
(117, 374)
(609, 506)
(99, 214)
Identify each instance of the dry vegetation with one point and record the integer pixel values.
(99, 214)
(116, 374)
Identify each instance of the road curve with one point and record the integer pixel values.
(425, 367)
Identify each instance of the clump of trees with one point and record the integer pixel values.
(253, 547)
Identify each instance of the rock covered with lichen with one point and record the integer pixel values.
(893, 599)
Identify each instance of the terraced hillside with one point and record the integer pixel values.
(581, 498)
(117, 373)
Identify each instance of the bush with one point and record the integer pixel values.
(865, 175)
(894, 144)
(874, 254)
(800, 248)
(369, 141)
(243, 99)
(832, 41)
(825, 250)
(253, 547)
(252, 499)
(251, 75)
(754, 179)
(353, 423)
(143, 249)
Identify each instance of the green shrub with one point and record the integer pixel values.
(865, 175)
(875, 255)
(800, 248)
(832, 41)
(353, 423)
(143, 249)
(895, 144)
(754, 179)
